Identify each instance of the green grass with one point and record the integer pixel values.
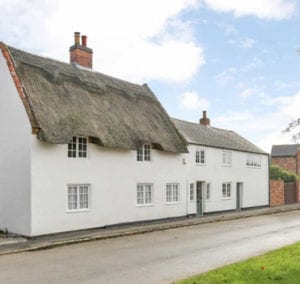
(279, 266)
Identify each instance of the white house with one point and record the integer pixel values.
(81, 149)
(225, 171)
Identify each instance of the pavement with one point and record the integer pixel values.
(14, 244)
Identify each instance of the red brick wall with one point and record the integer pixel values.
(276, 192)
(287, 163)
(82, 57)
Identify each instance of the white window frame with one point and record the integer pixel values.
(228, 190)
(208, 191)
(144, 153)
(200, 156)
(192, 192)
(78, 147)
(142, 194)
(172, 193)
(253, 161)
(227, 158)
(79, 198)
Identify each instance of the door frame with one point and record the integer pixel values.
(239, 195)
(200, 185)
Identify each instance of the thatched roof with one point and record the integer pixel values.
(64, 101)
(198, 134)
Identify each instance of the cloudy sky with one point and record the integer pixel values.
(236, 59)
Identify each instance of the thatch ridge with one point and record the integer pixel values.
(69, 101)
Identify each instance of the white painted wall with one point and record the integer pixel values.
(14, 157)
(113, 176)
(255, 180)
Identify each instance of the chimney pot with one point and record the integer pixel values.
(83, 40)
(77, 38)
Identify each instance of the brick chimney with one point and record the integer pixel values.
(204, 120)
(80, 53)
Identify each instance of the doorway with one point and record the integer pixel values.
(199, 187)
(239, 191)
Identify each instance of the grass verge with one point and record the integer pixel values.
(278, 266)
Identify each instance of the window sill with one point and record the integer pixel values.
(144, 205)
(227, 166)
(77, 211)
(172, 203)
(200, 164)
(226, 198)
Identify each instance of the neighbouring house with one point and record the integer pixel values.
(82, 149)
(287, 157)
(225, 171)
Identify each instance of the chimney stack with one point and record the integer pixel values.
(79, 53)
(204, 120)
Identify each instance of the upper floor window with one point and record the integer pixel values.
(78, 197)
(226, 190)
(172, 192)
(144, 153)
(200, 157)
(227, 158)
(144, 194)
(77, 147)
(253, 161)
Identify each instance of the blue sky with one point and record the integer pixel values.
(236, 59)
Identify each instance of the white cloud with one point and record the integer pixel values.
(263, 9)
(247, 93)
(192, 101)
(226, 76)
(247, 42)
(264, 128)
(137, 40)
(255, 63)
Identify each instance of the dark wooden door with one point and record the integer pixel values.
(290, 192)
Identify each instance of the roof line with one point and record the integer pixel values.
(19, 86)
(202, 125)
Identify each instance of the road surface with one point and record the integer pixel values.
(158, 257)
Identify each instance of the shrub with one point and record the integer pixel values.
(278, 173)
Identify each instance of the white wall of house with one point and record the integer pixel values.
(112, 175)
(255, 181)
(15, 142)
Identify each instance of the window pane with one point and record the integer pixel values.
(147, 152)
(83, 197)
(140, 154)
(140, 194)
(148, 194)
(191, 192)
(169, 193)
(202, 152)
(197, 157)
(175, 193)
(72, 197)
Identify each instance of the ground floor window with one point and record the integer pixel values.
(78, 197)
(144, 194)
(207, 193)
(226, 190)
(192, 192)
(172, 192)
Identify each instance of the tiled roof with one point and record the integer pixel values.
(198, 134)
(284, 150)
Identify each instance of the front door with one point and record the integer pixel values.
(199, 198)
(239, 188)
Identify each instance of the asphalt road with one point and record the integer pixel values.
(158, 257)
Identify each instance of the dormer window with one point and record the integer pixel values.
(144, 153)
(77, 147)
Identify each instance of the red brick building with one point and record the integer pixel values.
(288, 158)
